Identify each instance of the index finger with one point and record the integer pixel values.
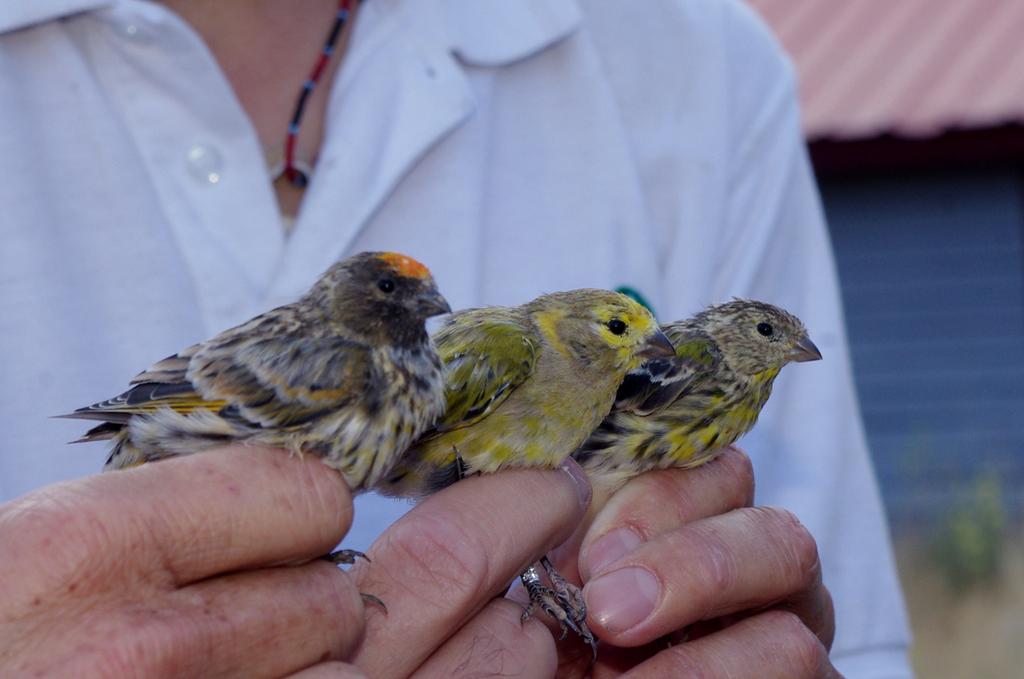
(441, 563)
(185, 518)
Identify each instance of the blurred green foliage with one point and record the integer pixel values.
(970, 545)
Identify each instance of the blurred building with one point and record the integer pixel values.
(914, 110)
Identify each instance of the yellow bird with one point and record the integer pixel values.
(524, 386)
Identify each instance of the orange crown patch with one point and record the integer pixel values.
(404, 266)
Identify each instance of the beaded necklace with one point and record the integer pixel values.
(296, 171)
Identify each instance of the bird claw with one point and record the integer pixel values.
(348, 557)
(568, 593)
(345, 556)
(562, 601)
(550, 602)
(371, 599)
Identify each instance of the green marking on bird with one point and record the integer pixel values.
(634, 294)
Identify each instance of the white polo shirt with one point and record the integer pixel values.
(514, 147)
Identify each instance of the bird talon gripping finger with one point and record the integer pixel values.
(547, 600)
(569, 595)
(346, 557)
(371, 599)
(558, 605)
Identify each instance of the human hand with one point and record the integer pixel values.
(440, 568)
(682, 557)
(180, 568)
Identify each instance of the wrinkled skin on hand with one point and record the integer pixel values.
(207, 564)
(178, 568)
(684, 577)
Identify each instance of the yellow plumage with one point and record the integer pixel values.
(523, 388)
(525, 385)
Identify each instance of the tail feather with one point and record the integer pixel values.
(103, 432)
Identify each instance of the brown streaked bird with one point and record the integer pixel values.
(347, 373)
(683, 411)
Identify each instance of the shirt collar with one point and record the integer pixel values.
(497, 32)
(15, 14)
(483, 32)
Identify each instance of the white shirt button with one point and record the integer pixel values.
(205, 164)
(133, 30)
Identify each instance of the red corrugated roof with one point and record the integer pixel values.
(912, 68)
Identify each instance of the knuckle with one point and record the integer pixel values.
(148, 641)
(643, 502)
(654, 491)
(658, 485)
(62, 538)
(331, 609)
(437, 558)
(332, 593)
(800, 547)
(49, 516)
(110, 661)
(715, 566)
(827, 631)
(804, 649)
(741, 470)
(301, 487)
(792, 541)
(682, 660)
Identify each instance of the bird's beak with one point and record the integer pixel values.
(803, 349)
(657, 346)
(431, 303)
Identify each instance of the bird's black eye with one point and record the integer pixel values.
(616, 326)
(386, 285)
(765, 329)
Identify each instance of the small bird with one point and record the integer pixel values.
(524, 387)
(683, 411)
(347, 373)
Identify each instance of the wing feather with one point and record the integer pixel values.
(659, 382)
(267, 381)
(487, 353)
(285, 380)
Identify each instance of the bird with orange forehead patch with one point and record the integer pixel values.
(347, 373)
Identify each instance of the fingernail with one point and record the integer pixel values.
(579, 477)
(609, 548)
(622, 599)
